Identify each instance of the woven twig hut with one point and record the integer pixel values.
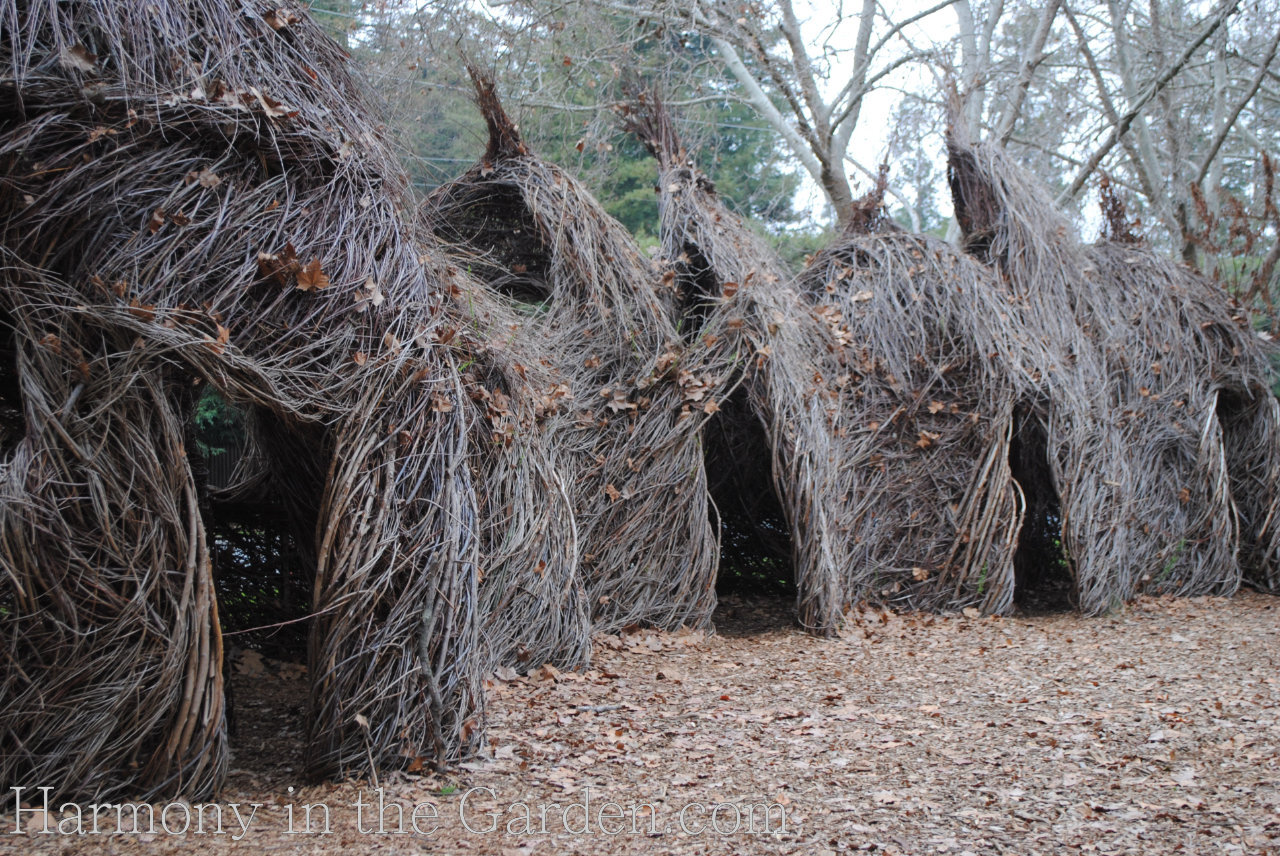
(1071, 449)
(194, 194)
(745, 324)
(626, 429)
(1204, 426)
(1151, 359)
(939, 363)
(886, 377)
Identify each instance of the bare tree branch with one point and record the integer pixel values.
(1147, 189)
(1031, 59)
(1221, 136)
(857, 78)
(803, 69)
(759, 99)
(1224, 11)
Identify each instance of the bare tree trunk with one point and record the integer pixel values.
(975, 53)
(1147, 162)
(835, 183)
(1030, 61)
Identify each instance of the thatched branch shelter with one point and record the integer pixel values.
(194, 194)
(744, 324)
(940, 363)
(885, 380)
(626, 430)
(1158, 426)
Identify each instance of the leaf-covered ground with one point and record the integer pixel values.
(1152, 731)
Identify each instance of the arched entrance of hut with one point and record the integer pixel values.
(260, 516)
(756, 580)
(1043, 581)
(1245, 423)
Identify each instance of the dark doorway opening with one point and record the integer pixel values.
(260, 521)
(264, 598)
(517, 262)
(1245, 440)
(1043, 579)
(263, 582)
(756, 581)
(260, 517)
(697, 289)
